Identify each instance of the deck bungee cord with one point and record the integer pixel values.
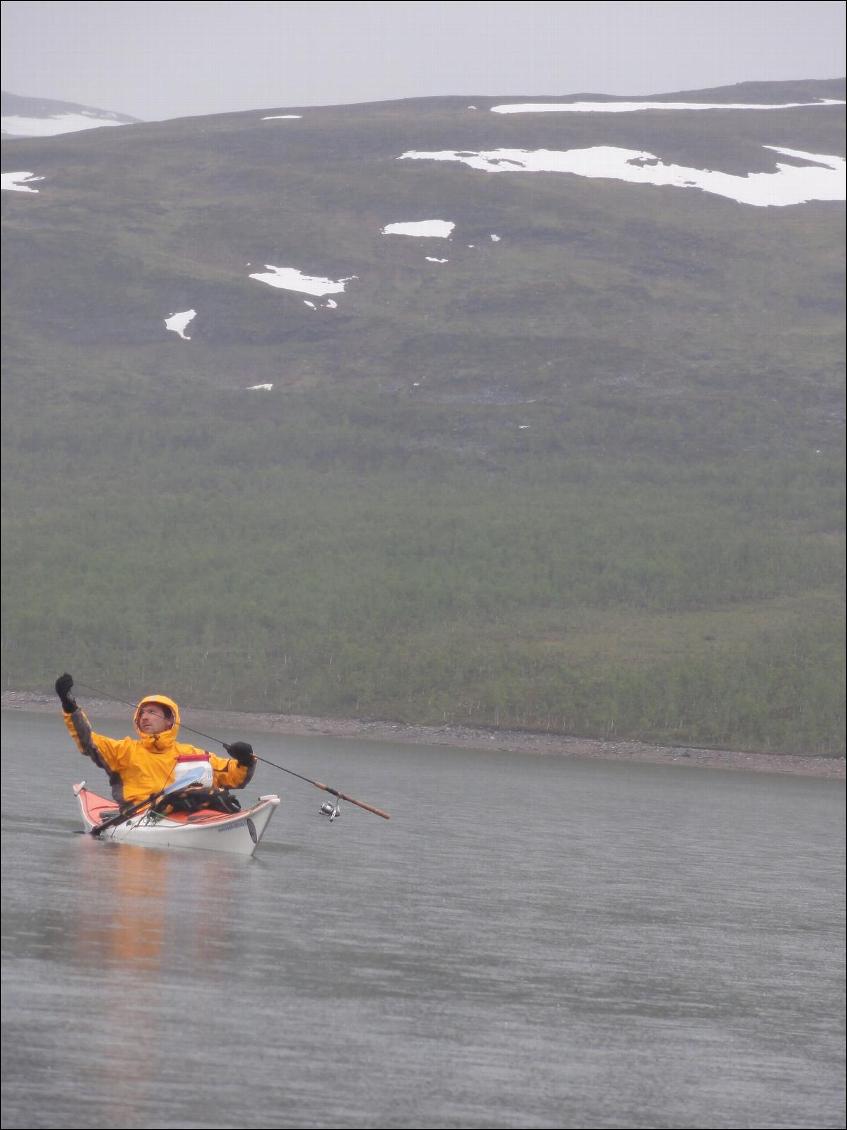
(328, 809)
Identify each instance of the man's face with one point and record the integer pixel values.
(152, 719)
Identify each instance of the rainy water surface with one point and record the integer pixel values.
(529, 942)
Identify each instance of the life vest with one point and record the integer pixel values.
(189, 762)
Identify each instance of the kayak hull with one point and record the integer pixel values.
(237, 833)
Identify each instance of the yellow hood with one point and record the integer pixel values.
(166, 736)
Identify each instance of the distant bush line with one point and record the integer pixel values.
(338, 556)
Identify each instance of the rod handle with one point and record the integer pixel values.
(352, 800)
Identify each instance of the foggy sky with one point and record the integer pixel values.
(164, 60)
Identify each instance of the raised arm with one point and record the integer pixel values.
(102, 750)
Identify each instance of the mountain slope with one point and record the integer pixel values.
(47, 117)
(583, 475)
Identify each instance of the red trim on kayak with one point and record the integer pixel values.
(98, 808)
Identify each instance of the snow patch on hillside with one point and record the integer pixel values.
(177, 322)
(291, 278)
(428, 229)
(18, 126)
(790, 184)
(278, 117)
(17, 182)
(633, 107)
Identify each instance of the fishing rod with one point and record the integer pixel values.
(327, 809)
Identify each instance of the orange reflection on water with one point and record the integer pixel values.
(156, 929)
(152, 911)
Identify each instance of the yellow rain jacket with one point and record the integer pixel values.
(139, 767)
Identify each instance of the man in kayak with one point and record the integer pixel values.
(141, 767)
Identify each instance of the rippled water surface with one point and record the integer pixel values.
(529, 942)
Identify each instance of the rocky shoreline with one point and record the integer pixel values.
(462, 737)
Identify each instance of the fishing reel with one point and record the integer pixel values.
(331, 810)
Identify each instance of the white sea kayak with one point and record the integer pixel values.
(237, 833)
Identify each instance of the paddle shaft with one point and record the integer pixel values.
(113, 821)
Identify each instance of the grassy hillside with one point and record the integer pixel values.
(586, 478)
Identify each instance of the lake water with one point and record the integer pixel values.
(529, 942)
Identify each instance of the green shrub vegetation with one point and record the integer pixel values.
(304, 557)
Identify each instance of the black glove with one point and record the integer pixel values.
(63, 690)
(242, 752)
